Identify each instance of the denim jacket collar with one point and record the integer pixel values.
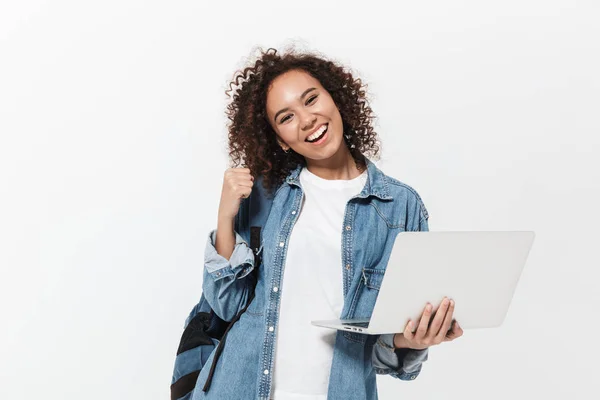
(377, 184)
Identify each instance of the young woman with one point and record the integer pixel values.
(302, 126)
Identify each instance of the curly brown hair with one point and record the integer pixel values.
(253, 140)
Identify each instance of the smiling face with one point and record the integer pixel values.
(304, 116)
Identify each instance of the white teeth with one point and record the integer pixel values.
(317, 133)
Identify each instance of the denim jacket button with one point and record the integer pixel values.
(275, 289)
(347, 266)
(266, 372)
(271, 329)
(294, 212)
(281, 244)
(348, 227)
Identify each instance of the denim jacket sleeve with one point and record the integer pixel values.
(404, 364)
(226, 283)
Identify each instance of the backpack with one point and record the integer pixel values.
(204, 332)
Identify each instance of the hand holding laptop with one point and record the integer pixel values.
(443, 328)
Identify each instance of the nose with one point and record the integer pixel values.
(308, 121)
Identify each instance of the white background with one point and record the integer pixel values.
(113, 148)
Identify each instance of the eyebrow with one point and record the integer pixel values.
(287, 109)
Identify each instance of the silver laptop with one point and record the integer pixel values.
(478, 270)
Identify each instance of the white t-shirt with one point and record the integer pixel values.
(311, 289)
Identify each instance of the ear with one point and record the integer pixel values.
(284, 146)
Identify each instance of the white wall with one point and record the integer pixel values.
(113, 146)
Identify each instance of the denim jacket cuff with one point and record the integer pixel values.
(240, 264)
(403, 364)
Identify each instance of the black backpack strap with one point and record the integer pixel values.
(255, 244)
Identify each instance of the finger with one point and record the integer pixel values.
(234, 182)
(424, 322)
(459, 330)
(242, 170)
(453, 334)
(440, 314)
(242, 192)
(245, 192)
(239, 175)
(239, 172)
(245, 183)
(408, 333)
(243, 174)
(447, 322)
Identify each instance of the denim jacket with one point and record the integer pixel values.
(372, 220)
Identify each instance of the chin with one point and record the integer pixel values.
(328, 151)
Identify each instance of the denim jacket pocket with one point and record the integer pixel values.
(372, 278)
(255, 308)
(364, 298)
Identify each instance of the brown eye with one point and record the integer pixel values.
(311, 100)
(283, 119)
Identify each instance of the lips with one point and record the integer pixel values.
(325, 126)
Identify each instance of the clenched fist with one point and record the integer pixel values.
(237, 184)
